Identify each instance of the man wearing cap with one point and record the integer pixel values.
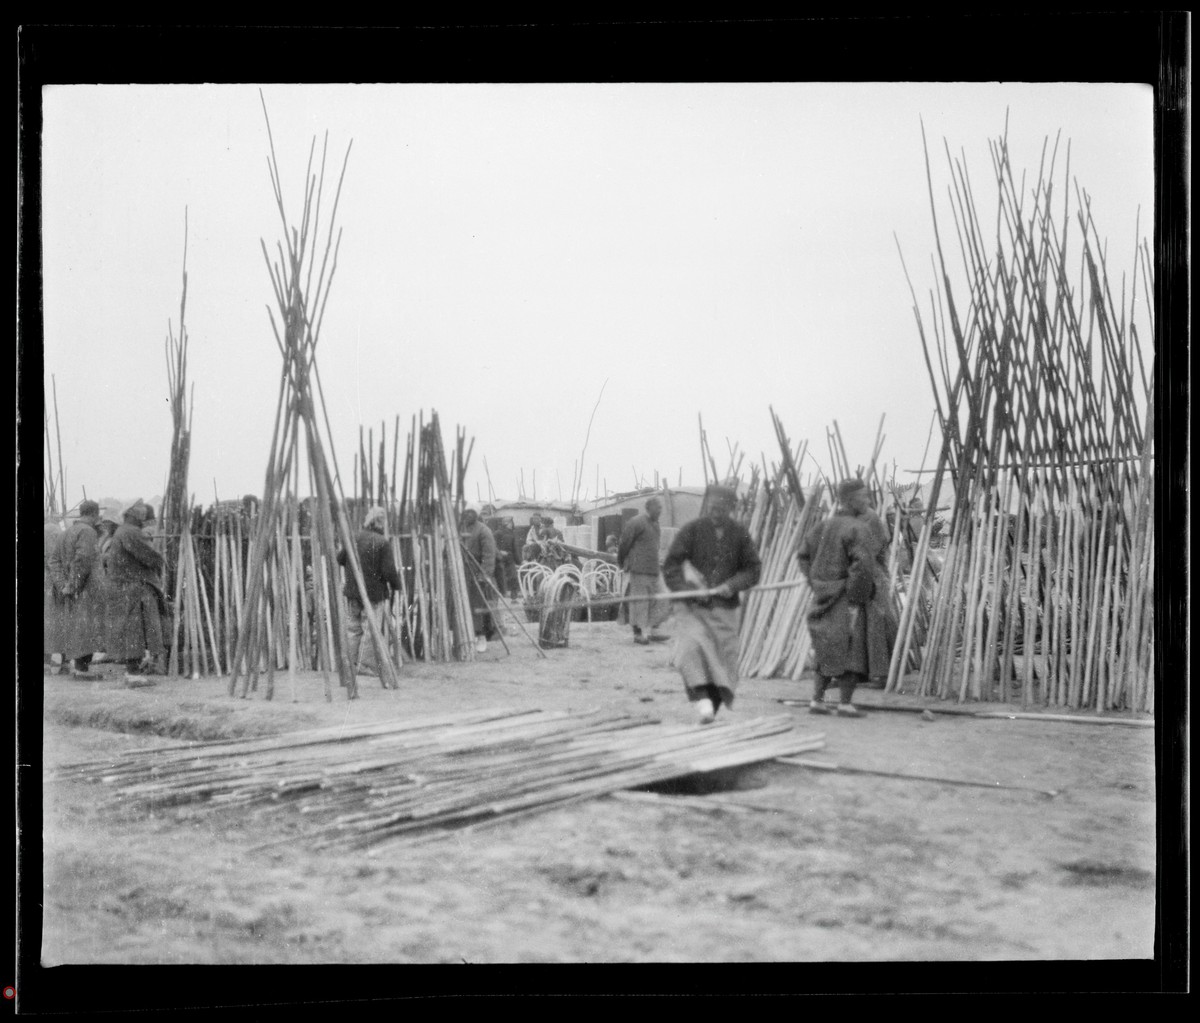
(714, 554)
(479, 547)
(841, 557)
(379, 576)
(637, 556)
(134, 572)
(78, 592)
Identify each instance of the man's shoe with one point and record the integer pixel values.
(641, 640)
(86, 676)
(705, 713)
(137, 681)
(480, 645)
(848, 710)
(658, 637)
(818, 707)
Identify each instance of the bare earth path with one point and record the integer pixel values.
(784, 864)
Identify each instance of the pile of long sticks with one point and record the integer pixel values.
(356, 786)
(300, 302)
(54, 487)
(775, 641)
(176, 510)
(437, 614)
(1044, 405)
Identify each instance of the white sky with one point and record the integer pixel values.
(715, 249)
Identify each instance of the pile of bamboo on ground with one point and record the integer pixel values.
(359, 785)
(1045, 409)
(301, 284)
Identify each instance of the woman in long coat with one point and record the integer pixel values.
(79, 592)
(134, 575)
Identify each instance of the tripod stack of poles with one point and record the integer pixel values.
(176, 508)
(301, 281)
(1037, 364)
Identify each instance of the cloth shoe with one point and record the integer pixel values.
(848, 710)
(480, 645)
(705, 712)
(658, 637)
(86, 676)
(818, 707)
(641, 640)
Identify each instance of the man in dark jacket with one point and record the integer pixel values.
(479, 546)
(78, 592)
(637, 556)
(711, 553)
(379, 575)
(135, 575)
(849, 621)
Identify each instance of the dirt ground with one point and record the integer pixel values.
(773, 863)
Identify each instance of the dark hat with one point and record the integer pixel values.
(720, 492)
(849, 487)
(136, 513)
(88, 508)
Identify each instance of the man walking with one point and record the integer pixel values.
(379, 576)
(135, 572)
(637, 555)
(480, 563)
(849, 621)
(78, 590)
(711, 553)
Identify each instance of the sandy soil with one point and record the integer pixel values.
(770, 863)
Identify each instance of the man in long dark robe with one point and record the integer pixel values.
(135, 579)
(479, 545)
(842, 559)
(711, 553)
(378, 566)
(79, 592)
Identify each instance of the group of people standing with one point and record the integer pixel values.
(713, 559)
(103, 593)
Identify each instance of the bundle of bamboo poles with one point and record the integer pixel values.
(423, 504)
(775, 641)
(437, 611)
(1044, 405)
(299, 417)
(54, 487)
(176, 510)
(359, 785)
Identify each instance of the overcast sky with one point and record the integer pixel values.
(507, 249)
